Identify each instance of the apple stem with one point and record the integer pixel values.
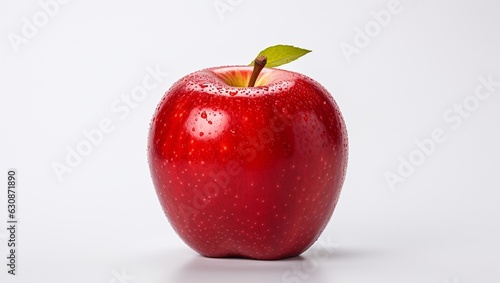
(259, 64)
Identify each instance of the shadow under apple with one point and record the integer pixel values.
(313, 266)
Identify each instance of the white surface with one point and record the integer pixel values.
(103, 220)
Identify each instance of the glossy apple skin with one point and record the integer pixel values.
(248, 172)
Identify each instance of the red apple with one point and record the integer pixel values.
(251, 172)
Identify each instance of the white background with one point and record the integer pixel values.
(103, 223)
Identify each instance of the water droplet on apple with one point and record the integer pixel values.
(233, 92)
(201, 134)
(204, 115)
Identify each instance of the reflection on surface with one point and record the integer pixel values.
(201, 269)
(324, 262)
(313, 266)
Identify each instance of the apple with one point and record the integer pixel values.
(248, 161)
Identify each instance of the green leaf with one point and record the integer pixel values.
(281, 54)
